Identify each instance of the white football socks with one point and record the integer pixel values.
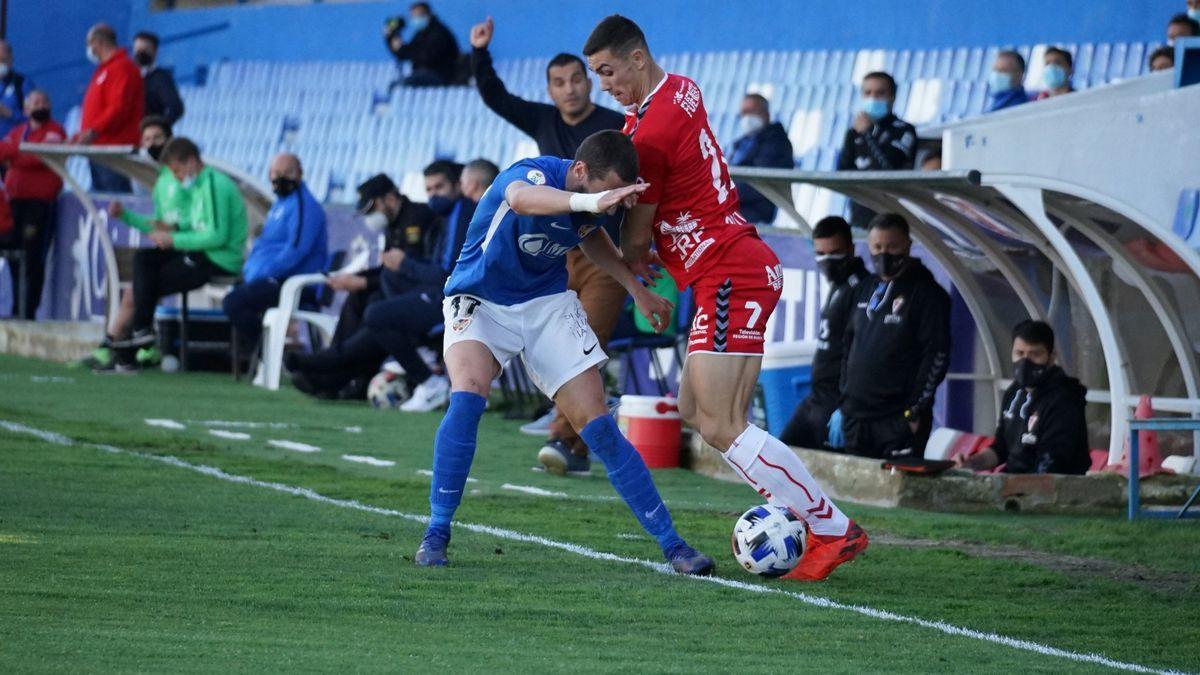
(772, 469)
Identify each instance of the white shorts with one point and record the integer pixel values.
(551, 334)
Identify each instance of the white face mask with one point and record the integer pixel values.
(375, 221)
(188, 182)
(91, 56)
(750, 124)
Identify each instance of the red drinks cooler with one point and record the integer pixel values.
(653, 425)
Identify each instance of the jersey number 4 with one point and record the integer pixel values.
(720, 173)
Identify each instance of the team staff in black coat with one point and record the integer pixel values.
(1042, 427)
(763, 143)
(833, 245)
(877, 140)
(432, 50)
(897, 349)
(558, 130)
(162, 96)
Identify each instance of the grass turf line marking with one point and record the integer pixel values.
(429, 474)
(294, 445)
(663, 568)
(165, 424)
(366, 459)
(530, 490)
(230, 435)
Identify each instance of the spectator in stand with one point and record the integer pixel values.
(432, 49)
(112, 105)
(1042, 426)
(1193, 10)
(162, 96)
(877, 139)
(1056, 76)
(558, 130)
(184, 259)
(477, 177)
(897, 351)
(294, 240)
(402, 322)
(1162, 58)
(763, 143)
(833, 247)
(33, 190)
(1006, 81)
(13, 89)
(343, 369)
(1182, 26)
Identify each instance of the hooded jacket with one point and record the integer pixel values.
(1043, 429)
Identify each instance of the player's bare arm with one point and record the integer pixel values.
(541, 200)
(598, 247)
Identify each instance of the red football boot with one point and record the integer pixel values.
(824, 552)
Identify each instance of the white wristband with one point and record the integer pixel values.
(589, 203)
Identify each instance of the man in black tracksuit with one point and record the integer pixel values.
(432, 50)
(834, 249)
(897, 349)
(162, 96)
(1042, 427)
(877, 140)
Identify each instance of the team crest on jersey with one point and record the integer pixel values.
(536, 177)
(897, 304)
(895, 316)
(775, 276)
(684, 223)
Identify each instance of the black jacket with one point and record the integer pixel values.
(429, 263)
(769, 147)
(827, 362)
(162, 97)
(433, 49)
(1044, 431)
(889, 145)
(408, 231)
(897, 345)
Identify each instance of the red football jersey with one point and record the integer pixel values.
(697, 214)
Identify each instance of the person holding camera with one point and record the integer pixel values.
(431, 48)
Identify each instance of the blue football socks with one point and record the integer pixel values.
(453, 450)
(629, 475)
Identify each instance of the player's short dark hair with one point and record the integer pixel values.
(1035, 333)
(1050, 51)
(148, 37)
(889, 221)
(761, 100)
(1166, 51)
(156, 121)
(606, 151)
(564, 59)
(179, 149)
(444, 167)
(833, 226)
(1015, 56)
(1185, 20)
(485, 168)
(617, 34)
(105, 33)
(886, 77)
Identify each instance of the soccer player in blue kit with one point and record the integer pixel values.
(508, 296)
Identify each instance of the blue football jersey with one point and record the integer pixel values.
(509, 259)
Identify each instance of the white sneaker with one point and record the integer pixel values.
(429, 395)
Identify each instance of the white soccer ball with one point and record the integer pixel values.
(388, 389)
(769, 540)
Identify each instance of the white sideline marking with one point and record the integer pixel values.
(294, 445)
(165, 424)
(352, 430)
(429, 474)
(364, 459)
(51, 379)
(530, 490)
(234, 424)
(230, 435)
(512, 535)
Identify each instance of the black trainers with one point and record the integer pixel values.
(558, 459)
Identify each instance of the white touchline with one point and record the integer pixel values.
(512, 535)
(365, 459)
(294, 445)
(230, 435)
(165, 424)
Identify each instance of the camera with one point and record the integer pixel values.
(393, 26)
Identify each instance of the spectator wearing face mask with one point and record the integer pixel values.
(112, 105)
(162, 96)
(294, 240)
(1042, 426)
(1056, 75)
(33, 190)
(877, 139)
(833, 246)
(432, 49)
(1182, 26)
(1162, 58)
(13, 88)
(1006, 81)
(897, 350)
(763, 143)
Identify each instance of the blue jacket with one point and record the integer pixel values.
(13, 89)
(1007, 99)
(769, 147)
(293, 241)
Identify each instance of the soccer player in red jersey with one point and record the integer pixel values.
(691, 212)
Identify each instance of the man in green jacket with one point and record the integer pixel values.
(211, 244)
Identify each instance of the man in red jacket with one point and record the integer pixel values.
(32, 189)
(113, 104)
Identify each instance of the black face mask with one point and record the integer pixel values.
(143, 59)
(836, 268)
(284, 186)
(40, 115)
(1028, 374)
(441, 204)
(155, 151)
(889, 265)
